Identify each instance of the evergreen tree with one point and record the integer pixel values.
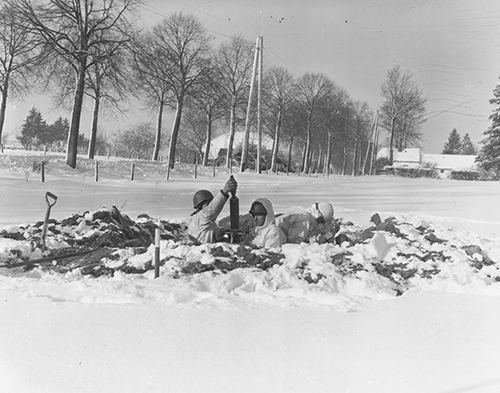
(33, 130)
(57, 134)
(454, 144)
(467, 146)
(489, 156)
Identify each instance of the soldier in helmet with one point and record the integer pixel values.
(202, 224)
(266, 233)
(316, 224)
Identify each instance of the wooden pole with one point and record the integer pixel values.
(42, 170)
(214, 167)
(375, 146)
(259, 93)
(370, 142)
(196, 166)
(96, 171)
(157, 248)
(244, 152)
(132, 171)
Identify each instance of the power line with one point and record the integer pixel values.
(161, 13)
(449, 109)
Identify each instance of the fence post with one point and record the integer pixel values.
(196, 167)
(157, 248)
(132, 170)
(42, 170)
(214, 167)
(96, 171)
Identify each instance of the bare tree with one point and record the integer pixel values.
(234, 63)
(185, 44)
(135, 142)
(278, 85)
(404, 105)
(106, 82)
(149, 69)
(310, 89)
(206, 106)
(19, 52)
(333, 116)
(192, 139)
(72, 29)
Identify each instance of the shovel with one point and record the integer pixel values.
(51, 201)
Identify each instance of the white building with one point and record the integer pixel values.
(442, 163)
(221, 142)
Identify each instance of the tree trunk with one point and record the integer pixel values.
(303, 161)
(276, 142)
(329, 153)
(288, 168)
(156, 150)
(72, 144)
(93, 131)
(391, 144)
(3, 105)
(354, 158)
(344, 161)
(320, 158)
(175, 132)
(305, 164)
(232, 121)
(208, 140)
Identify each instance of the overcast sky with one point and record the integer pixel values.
(452, 47)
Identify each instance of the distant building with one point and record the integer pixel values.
(218, 147)
(442, 163)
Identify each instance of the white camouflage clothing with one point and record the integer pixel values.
(268, 235)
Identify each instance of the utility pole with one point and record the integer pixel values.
(370, 145)
(244, 151)
(259, 94)
(375, 146)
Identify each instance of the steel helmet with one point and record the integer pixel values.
(200, 197)
(325, 209)
(258, 209)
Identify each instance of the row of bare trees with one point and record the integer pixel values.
(93, 48)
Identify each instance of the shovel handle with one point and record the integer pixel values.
(50, 195)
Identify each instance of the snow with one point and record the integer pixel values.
(304, 325)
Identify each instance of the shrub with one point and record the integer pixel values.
(415, 172)
(488, 175)
(380, 164)
(464, 175)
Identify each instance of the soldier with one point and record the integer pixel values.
(316, 224)
(266, 233)
(202, 225)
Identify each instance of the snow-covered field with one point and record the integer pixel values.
(408, 310)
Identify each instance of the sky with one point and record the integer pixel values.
(451, 47)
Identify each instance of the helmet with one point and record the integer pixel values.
(258, 209)
(325, 209)
(200, 197)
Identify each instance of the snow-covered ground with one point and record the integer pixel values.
(249, 330)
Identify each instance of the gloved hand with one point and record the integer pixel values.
(230, 186)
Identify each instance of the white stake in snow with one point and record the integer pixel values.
(157, 248)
